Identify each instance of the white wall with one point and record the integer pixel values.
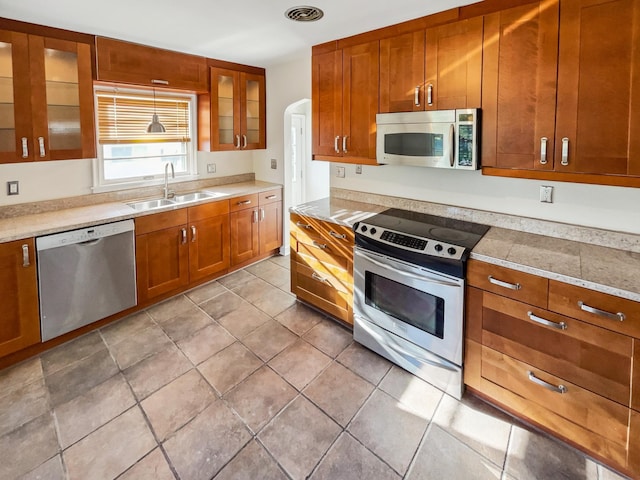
(611, 208)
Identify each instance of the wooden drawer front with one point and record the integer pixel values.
(586, 355)
(243, 202)
(565, 298)
(317, 248)
(510, 283)
(271, 196)
(337, 277)
(320, 294)
(593, 412)
(160, 221)
(208, 210)
(300, 225)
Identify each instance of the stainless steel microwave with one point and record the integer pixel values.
(439, 138)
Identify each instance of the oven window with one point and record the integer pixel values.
(414, 144)
(412, 306)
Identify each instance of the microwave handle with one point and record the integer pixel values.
(452, 131)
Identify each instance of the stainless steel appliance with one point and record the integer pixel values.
(439, 138)
(409, 292)
(85, 275)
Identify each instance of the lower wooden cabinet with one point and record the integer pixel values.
(20, 325)
(209, 244)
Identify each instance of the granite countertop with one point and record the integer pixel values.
(603, 269)
(37, 224)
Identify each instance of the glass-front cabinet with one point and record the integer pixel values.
(46, 99)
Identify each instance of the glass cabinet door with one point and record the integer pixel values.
(225, 111)
(253, 111)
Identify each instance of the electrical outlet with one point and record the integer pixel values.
(13, 187)
(340, 172)
(211, 168)
(274, 163)
(546, 193)
(358, 168)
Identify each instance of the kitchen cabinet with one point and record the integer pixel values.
(209, 245)
(322, 265)
(256, 226)
(46, 99)
(20, 325)
(436, 69)
(125, 62)
(345, 103)
(233, 114)
(556, 355)
(581, 123)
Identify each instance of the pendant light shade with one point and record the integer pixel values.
(155, 126)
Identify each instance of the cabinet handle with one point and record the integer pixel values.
(543, 150)
(602, 313)
(25, 255)
(319, 245)
(25, 148)
(500, 283)
(159, 82)
(261, 214)
(237, 142)
(255, 216)
(452, 136)
(244, 141)
(548, 323)
(344, 143)
(565, 151)
(430, 94)
(184, 235)
(335, 144)
(270, 197)
(548, 386)
(337, 235)
(416, 96)
(319, 278)
(41, 146)
(193, 233)
(303, 225)
(244, 202)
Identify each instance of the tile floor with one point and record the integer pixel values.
(235, 380)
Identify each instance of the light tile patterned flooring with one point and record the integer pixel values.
(235, 380)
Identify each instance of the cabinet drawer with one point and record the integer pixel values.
(510, 283)
(591, 411)
(591, 357)
(271, 196)
(341, 237)
(595, 307)
(337, 277)
(208, 210)
(160, 221)
(317, 248)
(319, 293)
(243, 202)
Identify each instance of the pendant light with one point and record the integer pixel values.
(155, 126)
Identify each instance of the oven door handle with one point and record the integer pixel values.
(424, 278)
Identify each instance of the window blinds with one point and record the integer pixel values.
(124, 117)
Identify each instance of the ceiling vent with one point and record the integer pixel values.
(304, 13)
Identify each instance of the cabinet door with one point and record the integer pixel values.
(402, 72)
(162, 262)
(599, 87)
(360, 100)
(225, 109)
(326, 107)
(520, 51)
(20, 326)
(253, 111)
(62, 99)
(15, 103)
(454, 65)
(270, 227)
(208, 247)
(244, 235)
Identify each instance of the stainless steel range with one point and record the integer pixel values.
(409, 273)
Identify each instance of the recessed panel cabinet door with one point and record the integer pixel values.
(327, 103)
(402, 73)
(245, 240)
(208, 247)
(520, 50)
(270, 226)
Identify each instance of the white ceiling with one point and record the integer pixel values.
(253, 32)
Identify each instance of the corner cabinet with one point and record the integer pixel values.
(345, 103)
(46, 99)
(20, 326)
(233, 115)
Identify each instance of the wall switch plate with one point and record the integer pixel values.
(340, 172)
(274, 163)
(358, 168)
(546, 193)
(13, 187)
(211, 168)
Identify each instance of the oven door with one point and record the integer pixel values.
(416, 144)
(420, 305)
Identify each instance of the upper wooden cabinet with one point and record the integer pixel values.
(233, 115)
(46, 99)
(345, 103)
(125, 62)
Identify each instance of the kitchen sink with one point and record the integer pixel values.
(176, 200)
(151, 204)
(195, 196)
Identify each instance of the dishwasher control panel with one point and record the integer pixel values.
(83, 235)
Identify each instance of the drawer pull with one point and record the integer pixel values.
(183, 231)
(25, 255)
(500, 283)
(548, 386)
(303, 225)
(596, 311)
(244, 202)
(194, 232)
(548, 323)
(337, 235)
(159, 82)
(319, 245)
(271, 197)
(319, 278)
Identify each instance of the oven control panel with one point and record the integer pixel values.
(410, 243)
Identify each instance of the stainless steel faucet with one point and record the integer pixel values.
(168, 193)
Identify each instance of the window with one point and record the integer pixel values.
(128, 155)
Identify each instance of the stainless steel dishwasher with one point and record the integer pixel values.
(85, 275)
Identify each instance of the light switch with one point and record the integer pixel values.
(13, 187)
(340, 172)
